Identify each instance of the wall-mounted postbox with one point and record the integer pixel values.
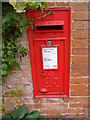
(49, 44)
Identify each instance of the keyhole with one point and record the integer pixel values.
(42, 71)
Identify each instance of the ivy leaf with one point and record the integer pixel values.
(9, 70)
(20, 7)
(17, 17)
(4, 72)
(21, 112)
(41, 7)
(34, 114)
(28, 5)
(4, 66)
(3, 107)
(6, 116)
(34, 5)
(16, 65)
(12, 3)
(45, 5)
(2, 81)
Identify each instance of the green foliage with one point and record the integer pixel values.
(10, 93)
(22, 6)
(13, 25)
(33, 114)
(3, 104)
(22, 113)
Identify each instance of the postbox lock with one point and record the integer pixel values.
(49, 42)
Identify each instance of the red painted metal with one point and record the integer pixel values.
(56, 28)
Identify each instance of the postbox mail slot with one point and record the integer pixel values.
(49, 26)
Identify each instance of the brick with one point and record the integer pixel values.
(88, 42)
(32, 100)
(52, 100)
(64, 111)
(57, 105)
(79, 66)
(25, 67)
(80, 15)
(88, 58)
(83, 115)
(80, 34)
(82, 6)
(79, 93)
(77, 110)
(50, 3)
(51, 111)
(78, 105)
(33, 106)
(66, 99)
(28, 91)
(78, 87)
(79, 73)
(80, 51)
(26, 60)
(63, 3)
(78, 99)
(79, 43)
(27, 74)
(79, 80)
(79, 59)
(77, 116)
(89, 86)
(80, 25)
(85, 110)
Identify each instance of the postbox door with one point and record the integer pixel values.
(49, 66)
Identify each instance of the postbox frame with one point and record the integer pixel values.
(66, 83)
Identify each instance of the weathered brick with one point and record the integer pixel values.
(80, 25)
(26, 60)
(78, 87)
(79, 59)
(28, 90)
(57, 105)
(33, 106)
(27, 74)
(51, 111)
(79, 73)
(50, 3)
(78, 105)
(79, 43)
(80, 15)
(77, 110)
(80, 51)
(79, 66)
(51, 100)
(79, 81)
(78, 100)
(31, 100)
(79, 93)
(80, 34)
(83, 115)
(78, 115)
(82, 6)
(63, 3)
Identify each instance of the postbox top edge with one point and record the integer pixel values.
(54, 9)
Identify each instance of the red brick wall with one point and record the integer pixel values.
(76, 106)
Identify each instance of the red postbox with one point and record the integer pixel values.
(49, 44)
